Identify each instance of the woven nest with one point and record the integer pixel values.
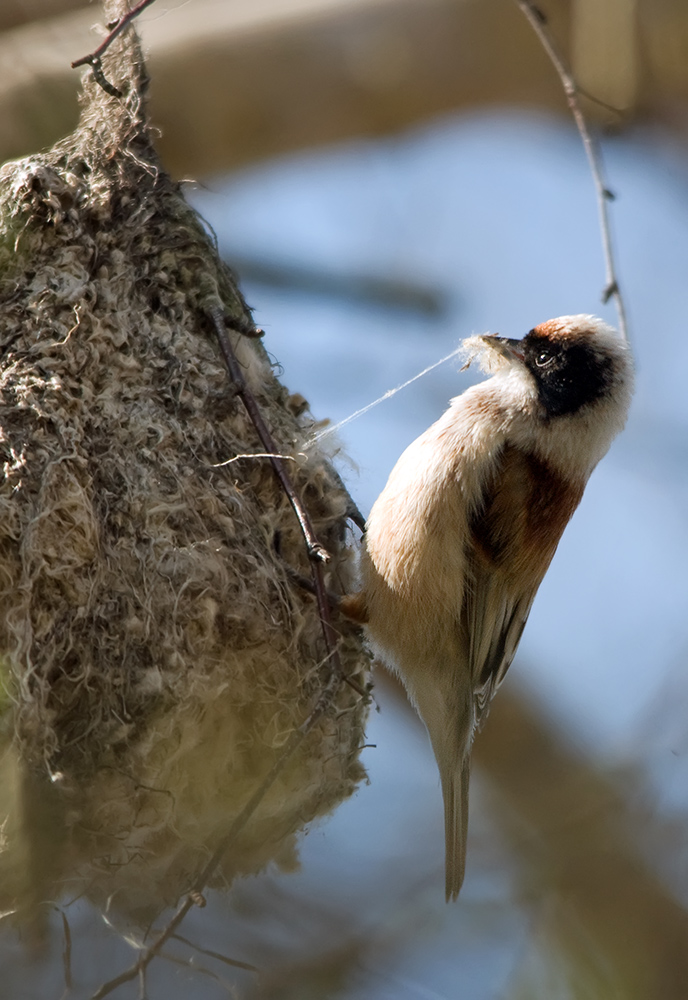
(149, 634)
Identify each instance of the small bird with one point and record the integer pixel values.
(460, 538)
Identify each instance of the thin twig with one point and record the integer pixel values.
(322, 705)
(189, 963)
(115, 29)
(94, 59)
(147, 955)
(316, 552)
(254, 454)
(234, 962)
(572, 91)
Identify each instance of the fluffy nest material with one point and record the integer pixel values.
(147, 621)
(481, 352)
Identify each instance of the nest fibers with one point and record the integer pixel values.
(139, 585)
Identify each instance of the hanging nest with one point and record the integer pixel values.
(149, 634)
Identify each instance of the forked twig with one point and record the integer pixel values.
(572, 90)
(316, 552)
(235, 963)
(93, 59)
(115, 29)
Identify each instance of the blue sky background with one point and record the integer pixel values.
(496, 212)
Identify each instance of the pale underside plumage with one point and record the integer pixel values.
(457, 545)
(473, 611)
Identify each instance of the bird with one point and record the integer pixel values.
(460, 538)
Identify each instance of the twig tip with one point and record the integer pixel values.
(611, 289)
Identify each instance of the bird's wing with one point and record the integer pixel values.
(513, 535)
(495, 620)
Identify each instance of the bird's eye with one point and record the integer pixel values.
(543, 358)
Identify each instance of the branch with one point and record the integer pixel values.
(317, 555)
(538, 23)
(316, 552)
(315, 549)
(235, 963)
(93, 59)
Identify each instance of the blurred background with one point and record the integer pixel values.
(388, 177)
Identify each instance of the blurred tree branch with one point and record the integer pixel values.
(573, 99)
(583, 848)
(14, 12)
(235, 82)
(574, 827)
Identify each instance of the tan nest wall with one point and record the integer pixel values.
(149, 634)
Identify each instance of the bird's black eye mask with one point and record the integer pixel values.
(568, 375)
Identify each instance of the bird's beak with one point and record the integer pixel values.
(508, 348)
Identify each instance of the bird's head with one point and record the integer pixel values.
(571, 363)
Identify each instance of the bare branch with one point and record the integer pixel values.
(316, 552)
(572, 91)
(235, 963)
(115, 29)
(189, 963)
(93, 59)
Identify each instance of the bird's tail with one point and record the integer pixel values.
(448, 715)
(455, 793)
